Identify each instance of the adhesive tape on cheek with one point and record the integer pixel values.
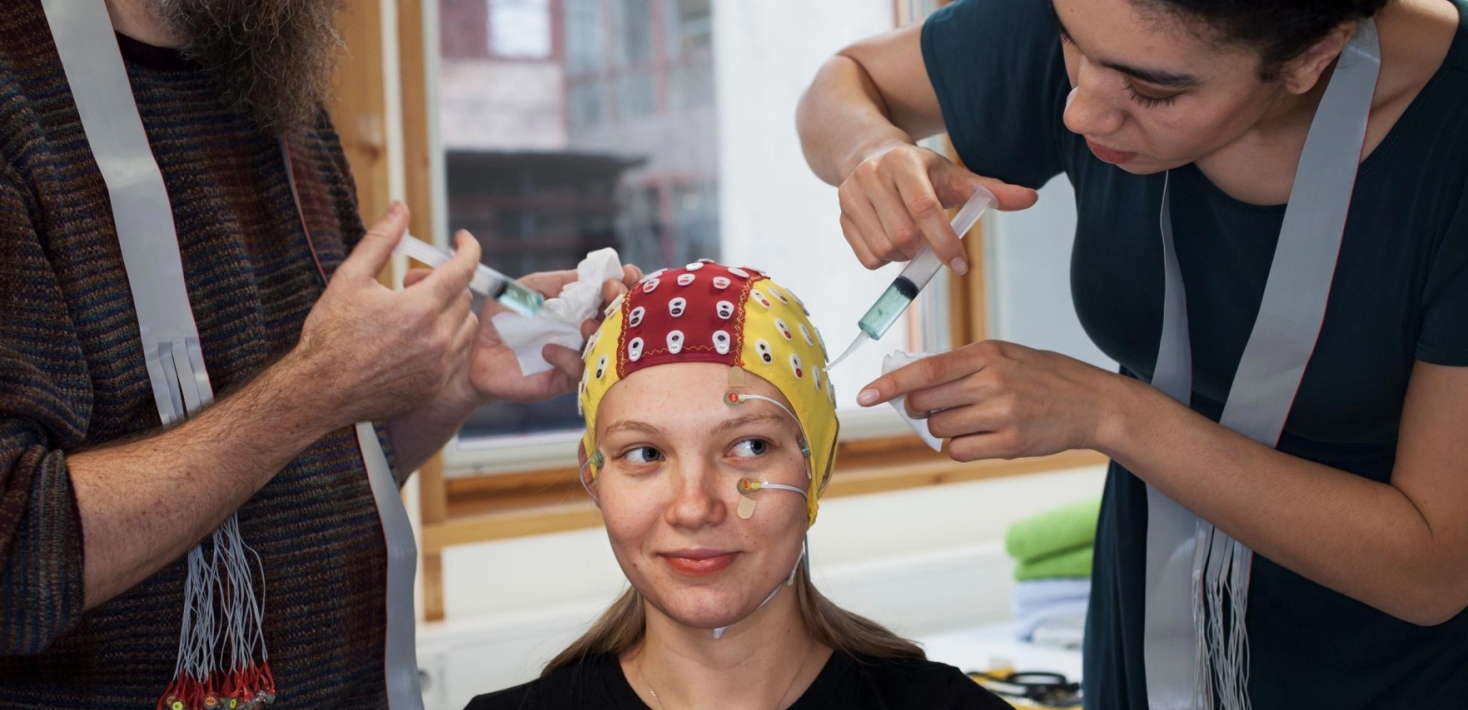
(892, 362)
(1071, 97)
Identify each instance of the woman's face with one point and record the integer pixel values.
(1151, 92)
(674, 455)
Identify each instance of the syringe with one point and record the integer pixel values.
(905, 288)
(486, 282)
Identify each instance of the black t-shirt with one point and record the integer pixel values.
(1400, 295)
(845, 683)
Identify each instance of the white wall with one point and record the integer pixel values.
(774, 213)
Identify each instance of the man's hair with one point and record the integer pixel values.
(1280, 30)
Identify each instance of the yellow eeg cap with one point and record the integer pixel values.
(708, 312)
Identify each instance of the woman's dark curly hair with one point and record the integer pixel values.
(1279, 29)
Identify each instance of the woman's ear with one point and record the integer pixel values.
(1302, 73)
(584, 473)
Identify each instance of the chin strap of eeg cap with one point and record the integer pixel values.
(803, 558)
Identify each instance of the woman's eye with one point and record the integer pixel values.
(644, 454)
(1149, 101)
(751, 447)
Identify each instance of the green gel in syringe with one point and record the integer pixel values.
(918, 272)
(486, 282)
(520, 298)
(888, 308)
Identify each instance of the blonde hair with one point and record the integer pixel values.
(622, 627)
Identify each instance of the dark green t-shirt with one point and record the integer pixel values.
(1400, 295)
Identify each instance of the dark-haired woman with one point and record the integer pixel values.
(1273, 243)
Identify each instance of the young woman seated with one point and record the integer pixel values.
(710, 434)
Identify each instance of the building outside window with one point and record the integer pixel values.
(570, 125)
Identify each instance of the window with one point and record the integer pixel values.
(690, 27)
(611, 136)
(549, 154)
(584, 47)
(520, 29)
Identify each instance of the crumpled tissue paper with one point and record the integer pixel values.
(559, 322)
(899, 359)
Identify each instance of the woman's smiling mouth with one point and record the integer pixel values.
(698, 562)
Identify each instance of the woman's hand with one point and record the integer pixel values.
(1000, 400)
(893, 202)
(494, 370)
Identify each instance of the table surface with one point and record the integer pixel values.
(987, 647)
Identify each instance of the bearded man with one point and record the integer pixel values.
(100, 503)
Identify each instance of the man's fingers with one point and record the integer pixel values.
(461, 307)
(926, 210)
(452, 279)
(631, 274)
(372, 253)
(414, 276)
(464, 339)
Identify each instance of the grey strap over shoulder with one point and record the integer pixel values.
(99, 86)
(143, 217)
(1195, 641)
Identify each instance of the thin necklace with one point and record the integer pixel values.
(804, 657)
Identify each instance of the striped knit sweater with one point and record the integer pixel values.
(72, 376)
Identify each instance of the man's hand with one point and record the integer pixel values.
(370, 353)
(491, 371)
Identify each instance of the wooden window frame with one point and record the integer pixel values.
(461, 511)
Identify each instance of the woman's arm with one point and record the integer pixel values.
(869, 98)
(1400, 547)
(858, 124)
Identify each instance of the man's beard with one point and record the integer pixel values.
(273, 60)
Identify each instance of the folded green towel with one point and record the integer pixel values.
(1075, 563)
(1053, 531)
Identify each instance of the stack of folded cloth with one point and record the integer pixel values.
(1052, 553)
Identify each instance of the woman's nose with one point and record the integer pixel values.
(1089, 110)
(696, 502)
